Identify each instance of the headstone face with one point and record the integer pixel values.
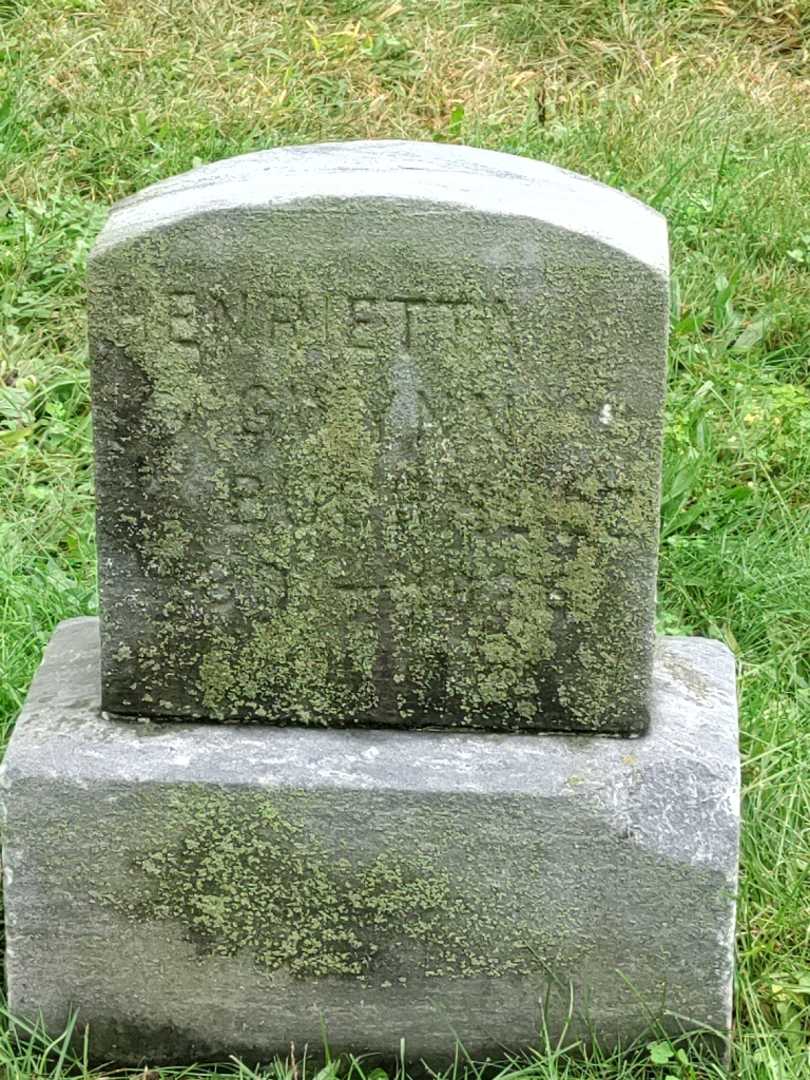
(378, 439)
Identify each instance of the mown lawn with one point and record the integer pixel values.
(700, 107)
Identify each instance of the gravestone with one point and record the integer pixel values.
(378, 439)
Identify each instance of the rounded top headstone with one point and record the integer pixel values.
(442, 174)
(378, 438)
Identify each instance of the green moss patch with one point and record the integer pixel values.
(245, 875)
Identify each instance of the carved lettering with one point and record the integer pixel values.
(183, 322)
(228, 306)
(260, 409)
(249, 503)
(384, 324)
(285, 315)
(183, 318)
(221, 592)
(373, 323)
(424, 317)
(401, 321)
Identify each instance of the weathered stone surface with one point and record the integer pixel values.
(378, 435)
(200, 890)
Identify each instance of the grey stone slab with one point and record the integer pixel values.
(203, 890)
(378, 432)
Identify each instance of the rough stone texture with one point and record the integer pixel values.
(378, 437)
(372, 885)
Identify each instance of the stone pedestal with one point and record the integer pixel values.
(195, 891)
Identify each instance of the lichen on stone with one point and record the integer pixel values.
(413, 488)
(243, 875)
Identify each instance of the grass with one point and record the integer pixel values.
(701, 107)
